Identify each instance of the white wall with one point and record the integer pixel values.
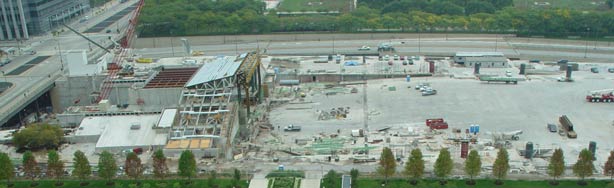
(78, 65)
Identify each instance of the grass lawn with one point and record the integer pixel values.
(397, 183)
(569, 4)
(303, 5)
(196, 183)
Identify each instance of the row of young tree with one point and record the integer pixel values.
(107, 167)
(181, 17)
(414, 168)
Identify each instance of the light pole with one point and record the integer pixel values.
(588, 29)
(333, 44)
(496, 41)
(172, 46)
(419, 42)
(60, 52)
(4, 75)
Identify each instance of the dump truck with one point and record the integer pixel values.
(507, 80)
(292, 128)
(438, 123)
(567, 126)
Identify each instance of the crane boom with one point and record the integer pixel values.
(86, 38)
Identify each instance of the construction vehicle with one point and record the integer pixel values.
(505, 136)
(292, 128)
(438, 123)
(605, 95)
(144, 60)
(567, 126)
(197, 53)
(507, 80)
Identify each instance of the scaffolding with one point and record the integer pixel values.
(205, 102)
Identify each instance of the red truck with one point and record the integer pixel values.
(438, 123)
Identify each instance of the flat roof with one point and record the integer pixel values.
(171, 77)
(194, 143)
(167, 118)
(486, 59)
(117, 132)
(478, 54)
(221, 67)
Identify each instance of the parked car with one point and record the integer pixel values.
(595, 70)
(611, 70)
(405, 62)
(364, 48)
(534, 61)
(396, 57)
(552, 127)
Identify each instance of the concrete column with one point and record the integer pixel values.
(15, 27)
(24, 27)
(6, 25)
(1, 31)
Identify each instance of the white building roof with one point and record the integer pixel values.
(478, 54)
(167, 118)
(117, 133)
(221, 67)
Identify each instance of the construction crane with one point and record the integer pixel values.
(107, 85)
(249, 67)
(86, 38)
(604, 95)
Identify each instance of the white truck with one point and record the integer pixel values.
(292, 128)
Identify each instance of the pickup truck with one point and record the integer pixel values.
(292, 128)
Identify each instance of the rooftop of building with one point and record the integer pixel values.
(478, 54)
(171, 78)
(122, 131)
(221, 67)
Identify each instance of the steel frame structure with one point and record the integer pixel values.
(206, 106)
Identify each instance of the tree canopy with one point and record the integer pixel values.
(55, 166)
(8, 172)
(30, 166)
(39, 136)
(183, 17)
(608, 168)
(187, 164)
(414, 168)
(387, 164)
(556, 168)
(82, 168)
(443, 164)
(133, 166)
(473, 164)
(584, 166)
(501, 165)
(160, 169)
(107, 166)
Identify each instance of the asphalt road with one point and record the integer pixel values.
(511, 47)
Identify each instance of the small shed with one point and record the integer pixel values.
(346, 181)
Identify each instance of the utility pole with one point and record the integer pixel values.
(588, 29)
(333, 44)
(496, 41)
(60, 52)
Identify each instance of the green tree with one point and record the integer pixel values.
(30, 166)
(55, 166)
(332, 179)
(501, 165)
(584, 166)
(133, 166)
(8, 171)
(610, 4)
(160, 169)
(557, 164)
(387, 164)
(39, 136)
(443, 164)
(354, 174)
(187, 165)
(414, 168)
(107, 166)
(212, 178)
(236, 178)
(82, 166)
(473, 164)
(477, 6)
(608, 168)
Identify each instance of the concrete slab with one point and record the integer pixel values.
(310, 183)
(258, 183)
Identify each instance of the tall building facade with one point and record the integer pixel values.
(21, 18)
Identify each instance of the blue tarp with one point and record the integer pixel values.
(350, 63)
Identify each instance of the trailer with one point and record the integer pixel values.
(437, 123)
(567, 126)
(292, 128)
(606, 95)
(507, 80)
